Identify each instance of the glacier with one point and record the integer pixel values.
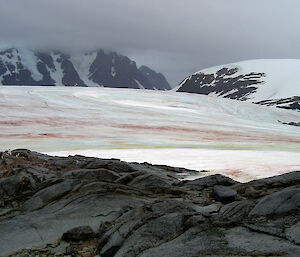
(239, 139)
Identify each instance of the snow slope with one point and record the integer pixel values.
(240, 139)
(254, 80)
(82, 64)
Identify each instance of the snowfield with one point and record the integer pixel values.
(239, 139)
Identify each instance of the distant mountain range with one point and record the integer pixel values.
(271, 82)
(20, 66)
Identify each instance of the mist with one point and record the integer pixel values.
(173, 37)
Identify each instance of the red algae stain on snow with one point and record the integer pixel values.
(51, 135)
(42, 135)
(205, 135)
(155, 128)
(47, 121)
(12, 123)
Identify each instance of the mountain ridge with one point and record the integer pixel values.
(264, 81)
(20, 66)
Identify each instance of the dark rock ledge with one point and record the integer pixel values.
(80, 206)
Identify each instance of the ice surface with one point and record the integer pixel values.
(237, 138)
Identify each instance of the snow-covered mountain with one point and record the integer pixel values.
(273, 82)
(20, 66)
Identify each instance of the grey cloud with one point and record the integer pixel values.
(175, 37)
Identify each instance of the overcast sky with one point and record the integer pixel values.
(175, 37)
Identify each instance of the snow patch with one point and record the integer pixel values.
(139, 84)
(57, 74)
(29, 60)
(113, 71)
(82, 65)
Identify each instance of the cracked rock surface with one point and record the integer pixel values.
(83, 206)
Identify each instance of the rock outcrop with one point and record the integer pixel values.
(83, 206)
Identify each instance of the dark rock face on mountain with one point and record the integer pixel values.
(154, 77)
(80, 206)
(97, 68)
(292, 103)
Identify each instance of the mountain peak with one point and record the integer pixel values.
(20, 66)
(264, 81)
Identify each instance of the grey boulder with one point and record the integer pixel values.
(224, 194)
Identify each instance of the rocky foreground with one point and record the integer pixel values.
(80, 206)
